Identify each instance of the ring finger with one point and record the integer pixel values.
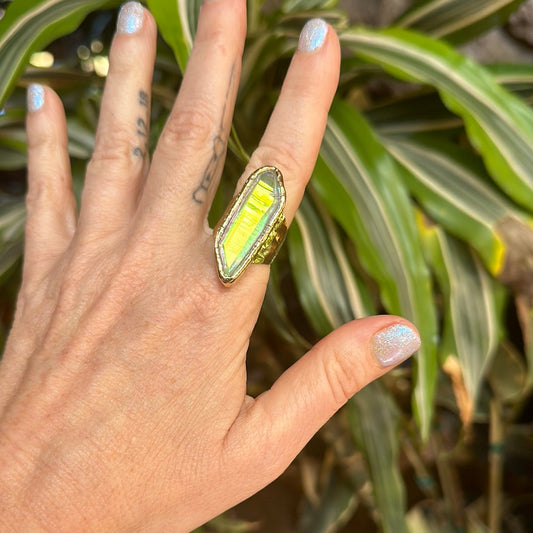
(294, 133)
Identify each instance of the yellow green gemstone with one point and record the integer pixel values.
(248, 222)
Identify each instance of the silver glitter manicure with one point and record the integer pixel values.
(130, 18)
(313, 35)
(35, 97)
(394, 344)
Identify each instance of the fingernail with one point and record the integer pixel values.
(394, 344)
(35, 97)
(130, 18)
(313, 35)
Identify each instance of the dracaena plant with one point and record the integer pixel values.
(421, 204)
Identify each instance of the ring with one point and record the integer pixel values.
(253, 226)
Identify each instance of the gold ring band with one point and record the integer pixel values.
(253, 226)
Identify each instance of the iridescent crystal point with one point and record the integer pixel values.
(247, 226)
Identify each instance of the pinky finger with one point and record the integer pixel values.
(50, 202)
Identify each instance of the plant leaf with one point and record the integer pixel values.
(337, 506)
(362, 187)
(471, 301)
(177, 23)
(516, 77)
(452, 186)
(498, 123)
(275, 309)
(290, 6)
(457, 21)
(397, 118)
(31, 25)
(331, 295)
(12, 218)
(328, 289)
(374, 422)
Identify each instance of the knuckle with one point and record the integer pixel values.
(280, 156)
(191, 126)
(115, 152)
(342, 376)
(46, 139)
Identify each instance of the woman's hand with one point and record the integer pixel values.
(123, 387)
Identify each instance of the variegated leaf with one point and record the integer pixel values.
(457, 20)
(32, 24)
(177, 22)
(331, 295)
(362, 187)
(472, 301)
(498, 123)
(454, 189)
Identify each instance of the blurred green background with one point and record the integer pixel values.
(421, 204)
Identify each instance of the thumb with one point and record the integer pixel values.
(276, 426)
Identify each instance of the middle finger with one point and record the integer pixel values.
(190, 153)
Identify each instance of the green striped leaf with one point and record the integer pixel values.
(337, 506)
(276, 311)
(472, 314)
(329, 292)
(452, 186)
(498, 123)
(517, 78)
(291, 6)
(12, 219)
(374, 421)
(397, 118)
(331, 295)
(457, 20)
(31, 25)
(512, 75)
(362, 187)
(14, 146)
(177, 23)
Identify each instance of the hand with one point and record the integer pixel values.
(123, 386)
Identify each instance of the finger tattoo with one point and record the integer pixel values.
(199, 194)
(141, 149)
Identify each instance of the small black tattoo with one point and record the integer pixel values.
(137, 151)
(199, 194)
(143, 99)
(141, 128)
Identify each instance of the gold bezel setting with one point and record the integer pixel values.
(250, 217)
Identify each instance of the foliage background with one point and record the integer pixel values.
(421, 204)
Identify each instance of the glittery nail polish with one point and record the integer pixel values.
(130, 18)
(35, 97)
(394, 344)
(313, 35)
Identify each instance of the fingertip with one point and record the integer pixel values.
(317, 37)
(45, 118)
(387, 340)
(394, 344)
(134, 18)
